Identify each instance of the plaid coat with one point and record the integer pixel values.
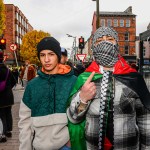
(131, 119)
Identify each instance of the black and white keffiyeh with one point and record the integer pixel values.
(105, 52)
(106, 111)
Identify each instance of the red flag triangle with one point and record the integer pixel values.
(107, 144)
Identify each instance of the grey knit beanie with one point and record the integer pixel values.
(103, 31)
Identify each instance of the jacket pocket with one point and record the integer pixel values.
(51, 131)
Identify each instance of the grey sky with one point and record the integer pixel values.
(74, 17)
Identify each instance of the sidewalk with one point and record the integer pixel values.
(13, 143)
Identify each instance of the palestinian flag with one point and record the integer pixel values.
(123, 73)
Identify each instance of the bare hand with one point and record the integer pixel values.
(88, 90)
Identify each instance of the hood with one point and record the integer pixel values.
(63, 70)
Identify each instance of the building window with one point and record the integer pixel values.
(127, 23)
(126, 36)
(109, 22)
(27, 26)
(23, 22)
(103, 22)
(115, 23)
(17, 28)
(16, 15)
(20, 41)
(19, 17)
(17, 40)
(126, 50)
(121, 23)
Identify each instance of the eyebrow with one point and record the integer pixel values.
(46, 53)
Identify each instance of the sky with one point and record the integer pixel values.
(74, 17)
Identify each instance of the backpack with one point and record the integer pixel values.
(3, 83)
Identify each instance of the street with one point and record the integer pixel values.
(13, 143)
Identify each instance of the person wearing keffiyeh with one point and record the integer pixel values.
(109, 107)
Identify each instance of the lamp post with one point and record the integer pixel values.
(74, 45)
(97, 14)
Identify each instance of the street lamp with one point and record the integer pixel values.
(97, 14)
(74, 44)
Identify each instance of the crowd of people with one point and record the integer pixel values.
(103, 105)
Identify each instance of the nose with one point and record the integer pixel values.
(46, 58)
(104, 38)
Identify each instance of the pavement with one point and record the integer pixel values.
(13, 142)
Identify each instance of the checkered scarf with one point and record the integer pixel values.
(106, 97)
(105, 52)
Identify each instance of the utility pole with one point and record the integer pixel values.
(98, 17)
(73, 46)
(141, 58)
(97, 14)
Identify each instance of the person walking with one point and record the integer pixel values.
(15, 73)
(20, 79)
(110, 101)
(43, 120)
(6, 99)
(27, 73)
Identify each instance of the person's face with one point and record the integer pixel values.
(105, 38)
(49, 61)
(105, 51)
(63, 59)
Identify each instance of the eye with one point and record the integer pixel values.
(110, 39)
(52, 54)
(41, 55)
(98, 40)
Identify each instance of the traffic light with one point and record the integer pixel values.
(2, 44)
(81, 42)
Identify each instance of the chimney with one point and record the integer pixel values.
(148, 27)
(128, 10)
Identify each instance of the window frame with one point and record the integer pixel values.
(126, 50)
(128, 23)
(115, 22)
(121, 23)
(109, 22)
(126, 36)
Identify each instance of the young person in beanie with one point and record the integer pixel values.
(6, 100)
(110, 101)
(43, 120)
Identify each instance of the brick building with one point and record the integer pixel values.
(17, 25)
(125, 24)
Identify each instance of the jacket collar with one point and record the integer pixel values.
(63, 70)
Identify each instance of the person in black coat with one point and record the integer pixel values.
(79, 69)
(6, 100)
